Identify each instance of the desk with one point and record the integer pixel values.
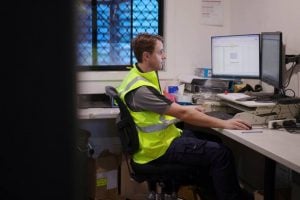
(276, 145)
(98, 113)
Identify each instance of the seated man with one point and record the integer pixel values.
(155, 116)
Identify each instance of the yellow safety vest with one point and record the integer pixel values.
(156, 132)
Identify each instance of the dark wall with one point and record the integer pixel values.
(39, 132)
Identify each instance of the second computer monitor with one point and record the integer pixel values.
(235, 56)
(272, 59)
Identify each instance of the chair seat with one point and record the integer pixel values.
(179, 172)
(160, 169)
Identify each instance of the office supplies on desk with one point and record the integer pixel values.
(203, 97)
(246, 87)
(257, 113)
(207, 85)
(258, 99)
(282, 123)
(252, 131)
(232, 97)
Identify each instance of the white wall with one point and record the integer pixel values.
(187, 40)
(270, 15)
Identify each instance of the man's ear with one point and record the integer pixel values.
(146, 55)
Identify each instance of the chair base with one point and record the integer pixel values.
(184, 193)
(157, 196)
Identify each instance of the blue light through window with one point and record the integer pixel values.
(106, 27)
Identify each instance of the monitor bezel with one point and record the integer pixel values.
(276, 82)
(213, 75)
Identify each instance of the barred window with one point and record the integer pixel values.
(105, 29)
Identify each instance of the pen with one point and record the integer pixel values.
(252, 131)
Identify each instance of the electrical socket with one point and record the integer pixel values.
(274, 124)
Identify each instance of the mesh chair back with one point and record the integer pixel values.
(126, 127)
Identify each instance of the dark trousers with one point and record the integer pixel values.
(194, 148)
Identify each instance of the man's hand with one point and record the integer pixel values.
(237, 124)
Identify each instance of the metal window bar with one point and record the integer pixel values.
(106, 28)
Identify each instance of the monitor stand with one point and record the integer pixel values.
(269, 97)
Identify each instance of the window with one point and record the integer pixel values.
(106, 27)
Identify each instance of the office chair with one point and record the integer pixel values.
(166, 177)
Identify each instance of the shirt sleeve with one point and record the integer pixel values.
(147, 98)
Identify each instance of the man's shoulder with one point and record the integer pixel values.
(145, 89)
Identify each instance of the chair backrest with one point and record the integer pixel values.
(126, 127)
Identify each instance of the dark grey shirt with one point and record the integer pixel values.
(146, 98)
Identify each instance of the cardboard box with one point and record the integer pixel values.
(187, 192)
(131, 189)
(103, 176)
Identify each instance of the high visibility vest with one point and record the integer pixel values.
(156, 131)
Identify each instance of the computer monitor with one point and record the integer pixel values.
(272, 58)
(235, 56)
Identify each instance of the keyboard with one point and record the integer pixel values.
(219, 115)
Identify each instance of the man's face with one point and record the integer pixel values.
(156, 59)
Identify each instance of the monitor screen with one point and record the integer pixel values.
(272, 58)
(235, 56)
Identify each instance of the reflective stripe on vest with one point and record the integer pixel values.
(158, 127)
(152, 128)
(131, 83)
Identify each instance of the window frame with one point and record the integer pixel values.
(88, 68)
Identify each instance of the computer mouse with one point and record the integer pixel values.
(248, 125)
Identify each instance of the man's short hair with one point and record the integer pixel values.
(144, 42)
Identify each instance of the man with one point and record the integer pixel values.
(155, 117)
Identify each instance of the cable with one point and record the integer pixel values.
(291, 112)
(275, 106)
(290, 75)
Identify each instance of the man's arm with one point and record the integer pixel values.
(194, 116)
